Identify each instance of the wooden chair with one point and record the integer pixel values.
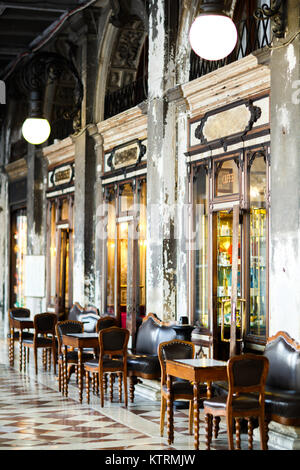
(44, 338)
(13, 335)
(63, 328)
(182, 389)
(247, 375)
(112, 358)
(106, 322)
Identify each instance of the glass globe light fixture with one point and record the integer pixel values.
(36, 130)
(213, 35)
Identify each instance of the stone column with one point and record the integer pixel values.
(161, 166)
(36, 224)
(100, 244)
(285, 182)
(285, 199)
(85, 176)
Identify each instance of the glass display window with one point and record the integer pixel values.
(18, 254)
(229, 260)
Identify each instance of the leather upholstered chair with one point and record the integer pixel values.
(144, 362)
(44, 337)
(246, 375)
(112, 358)
(63, 328)
(182, 389)
(18, 312)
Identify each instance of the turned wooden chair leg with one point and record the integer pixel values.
(87, 385)
(208, 430)
(250, 434)
(120, 386)
(216, 426)
(191, 417)
(163, 407)
(101, 389)
(238, 433)
(111, 381)
(131, 389)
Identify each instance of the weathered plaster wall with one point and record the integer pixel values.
(285, 183)
(161, 169)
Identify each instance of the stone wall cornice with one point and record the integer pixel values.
(240, 80)
(59, 152)
(123, 128)
(16, 170)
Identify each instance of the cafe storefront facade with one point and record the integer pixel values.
(228, 159)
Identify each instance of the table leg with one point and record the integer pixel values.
(196, 416)
(80, 373)
(208, 385)
(170, 417)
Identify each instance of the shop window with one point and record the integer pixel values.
(200, 244)
(18, 253)
(258, 243)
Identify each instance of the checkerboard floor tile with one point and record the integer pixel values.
(34, 415)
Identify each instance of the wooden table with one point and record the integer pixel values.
(18, 323)
(196, 371)
(79, 341)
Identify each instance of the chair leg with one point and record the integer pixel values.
(120, 386)
(229, 422)
(163, 406)
(131, 389)
(208, 430)
(250, 434)
(87, 385)
(36, 360)
(111, 381)
(191, 417)
(101, 389)
(59, 377)
(238, 433)
(125, 389)
(263, 430)
(21, 356)
(54, 357)
(216, 426)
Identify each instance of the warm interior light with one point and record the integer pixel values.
(213, 37)
(36, 130)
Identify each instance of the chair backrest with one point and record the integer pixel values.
(18, 312)
(106, 322)
(246, 373)
(65, 327)
(45, 323)
(113, 341)
(174, 349)
(283, 353)
(151, 333)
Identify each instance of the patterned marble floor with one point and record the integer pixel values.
(35, 416)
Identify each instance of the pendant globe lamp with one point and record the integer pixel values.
(36, 129)
(213, 35)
